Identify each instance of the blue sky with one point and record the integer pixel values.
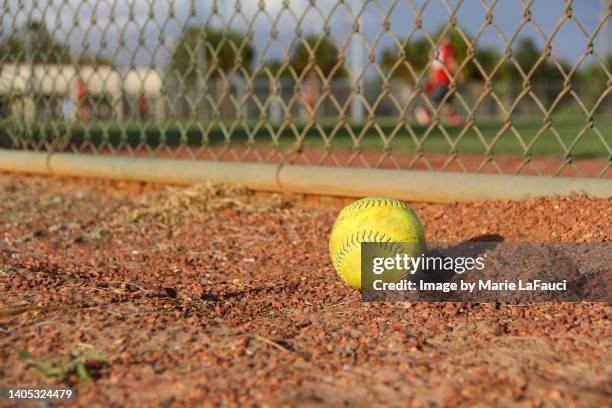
(130, 30)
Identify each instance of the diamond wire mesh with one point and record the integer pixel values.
(343, 83)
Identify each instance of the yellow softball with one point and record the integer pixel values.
(372, 219)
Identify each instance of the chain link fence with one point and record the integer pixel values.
(512, 87)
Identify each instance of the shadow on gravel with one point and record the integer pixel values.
(485, 243)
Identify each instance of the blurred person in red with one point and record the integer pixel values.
(143, 107)
(84, 104)
(438, 83)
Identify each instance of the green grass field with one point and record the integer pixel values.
(404, 139)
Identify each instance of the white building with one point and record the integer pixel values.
(44, 91)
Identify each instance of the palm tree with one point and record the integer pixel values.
(34, 44)
(202, 50)
(317, 53)
(316, 58)
(203, 54)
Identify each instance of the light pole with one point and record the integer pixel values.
(227, 12)
(605, 12)
(356, 61)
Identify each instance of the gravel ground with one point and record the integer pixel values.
(215, 295)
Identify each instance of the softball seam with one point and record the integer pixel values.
(354, 241)
(375, 202)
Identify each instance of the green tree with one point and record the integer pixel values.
(33, 43)
(12, 50)
(200, 50)
(595, 72)
(410, 64)
(543, 74)
(314, 54)
(273, 69)
(592, 80)
(317, 53)
(529, 57)
(488, 59)
(314, 59)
